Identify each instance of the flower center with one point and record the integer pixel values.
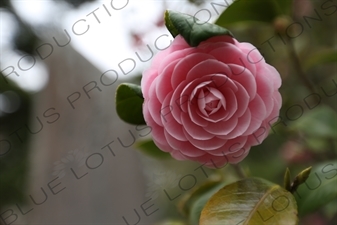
(212, 105)
(210, 101)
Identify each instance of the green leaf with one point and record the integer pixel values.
(192, 29)
(129, 103)
(250, 201)
(321, 57)
(199, 203)
(320, 122)
(319, 189)
(149, 148)
(254, 11)
(208, 188)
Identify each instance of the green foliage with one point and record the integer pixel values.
(193, 30)
(319, 122)
(14, 160)
(254, 11)
(149, 148)
(200, 202)
(319, 189)
(194, 201)
(250, 201)
(321, 57)
(129, 103)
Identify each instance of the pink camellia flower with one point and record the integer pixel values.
(212, 102)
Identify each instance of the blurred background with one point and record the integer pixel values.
(66, 157)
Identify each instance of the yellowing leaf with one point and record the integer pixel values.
(250, 201)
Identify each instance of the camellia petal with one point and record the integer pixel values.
(170, 124)
(234, 56)
(242, 126)
(241, 94)
(163, 87)
(157, 131)
(185, 65)
(231, 146)
(185, 147)
(155, 105)
(245, 78)
(177, 101)
(195, 117)
(222, 127)
(210, 66)
(173, 57)
(231, 105)
(148, 77)
(258, 112)
(194, 130)
(211, 144)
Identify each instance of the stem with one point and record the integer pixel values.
(298, 67)
(239, 171)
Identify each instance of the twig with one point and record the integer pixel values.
(239, 171)
(298, 67)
